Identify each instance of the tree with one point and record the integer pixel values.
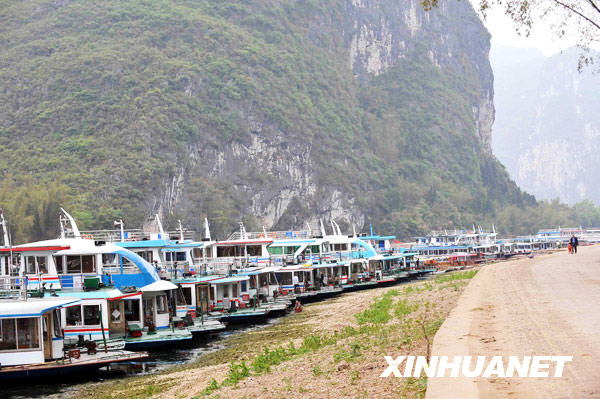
(567, 17)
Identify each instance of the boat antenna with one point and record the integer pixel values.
(206, 230)
(353, 230)
(160, 227)
(322, 228)
(120, 223)
(74, 228)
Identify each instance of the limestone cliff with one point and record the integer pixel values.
(275, 112)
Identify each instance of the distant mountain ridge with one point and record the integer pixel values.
(547, 127)
(269, 111)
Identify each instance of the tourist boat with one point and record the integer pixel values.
(94, 271)
(31, 340)
(196, 292)
(229, 301)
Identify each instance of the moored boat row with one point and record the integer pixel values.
(116, 291)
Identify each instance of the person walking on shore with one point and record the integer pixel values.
(574, 243)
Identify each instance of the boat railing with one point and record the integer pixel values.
(13, 287)
(132, 235)
(118, 269)
(273, 235)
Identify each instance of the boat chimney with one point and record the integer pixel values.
(74, 228)
(120, 223)
(206, 230)
(160, 227)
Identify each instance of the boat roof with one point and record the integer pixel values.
(288, 243)
(160, 285)
(145, 243)
(196, 280)
(111, 293)
(178, 246)
(231, 279)
(244, 242)
(259, 270)
(391, 257)
(377, 237)
(33, 307)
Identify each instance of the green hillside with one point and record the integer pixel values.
(125, 108)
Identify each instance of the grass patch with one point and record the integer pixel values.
(454, 276)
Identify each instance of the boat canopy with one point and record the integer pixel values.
(160, 285)
(289, 243)
(110, 294)
(392, 257)
(145, 243)
(197, 280)
(181, 246)
(33, 307)
(232, 279)
(259, 271)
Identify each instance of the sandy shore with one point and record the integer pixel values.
(548, 305)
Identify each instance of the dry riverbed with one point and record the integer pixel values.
(332, 349)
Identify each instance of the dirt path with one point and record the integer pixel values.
(549, 305)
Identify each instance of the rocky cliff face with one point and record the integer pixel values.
(548, 126)
(274, 112)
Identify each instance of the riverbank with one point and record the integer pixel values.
(545, 306)
(332, 349)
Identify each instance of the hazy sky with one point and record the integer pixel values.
(503, 32)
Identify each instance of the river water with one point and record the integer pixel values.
(158, 361)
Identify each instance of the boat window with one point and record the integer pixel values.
(300, 276)
(161, 304)
(225, 252)
(244, 286)
(284, 278)
(146, 255)
(225, 291)
(8, 334)
(197, 252)
(91, 315)
(109, 259)
(132, 309)
(73, 264)
(234, 291)
(275, 250)
(272, 278)
(28, 333)
(41, 262)
(87, 264)
(253, 250)
(291, 250)
(187, 294)
(73, 316)
(314, 249)
(264, 279)
(30, 265)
